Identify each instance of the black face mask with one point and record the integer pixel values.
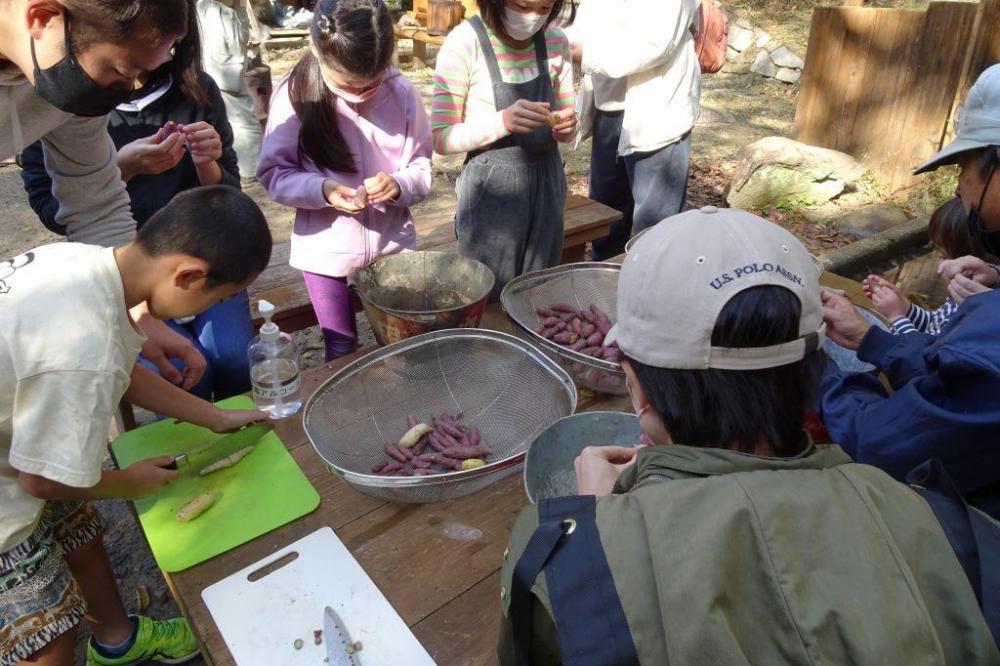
(68, 88)
(989, 239)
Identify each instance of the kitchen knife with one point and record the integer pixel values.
(337, 640)
(202, 457)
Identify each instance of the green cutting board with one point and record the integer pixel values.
(263, 491)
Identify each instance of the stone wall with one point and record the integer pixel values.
(752, 50)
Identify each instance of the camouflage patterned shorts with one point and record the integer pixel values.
(39, 600)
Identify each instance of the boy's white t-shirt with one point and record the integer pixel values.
(67, 348)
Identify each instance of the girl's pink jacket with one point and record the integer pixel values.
(389, 132)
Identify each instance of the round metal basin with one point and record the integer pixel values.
(414, 293)
(548, 468)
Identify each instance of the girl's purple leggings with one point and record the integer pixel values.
(332, 301)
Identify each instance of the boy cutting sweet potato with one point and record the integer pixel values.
(67, 349)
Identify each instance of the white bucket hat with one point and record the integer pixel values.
(977, 123)
(679, 276)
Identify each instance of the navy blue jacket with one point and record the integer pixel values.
(148, 193)
(945, 404)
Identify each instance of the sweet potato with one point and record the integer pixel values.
(587, 330)
(564, 338)
(411, 421)
(381, 465)
(196, 507)
(419, 463)
(228, 461)
(445, 461)
(449, 429)
(579, 345)
(466, 452)
(435, 442)
(421, 444)
(396, 452)
(576, 325)
(540, 329)
(414, 434)
(474, 436)
(604, 326)
(391, 468)
(543, 312)
(594, 351)
(595, 340)
(563, 307)
(599, 314)
(550, 321)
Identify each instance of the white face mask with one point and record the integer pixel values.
(523, 26)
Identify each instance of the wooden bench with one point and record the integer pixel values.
(585, 220)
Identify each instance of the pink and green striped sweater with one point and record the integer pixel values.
(463, 116)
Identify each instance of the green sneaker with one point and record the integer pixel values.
(165, 641)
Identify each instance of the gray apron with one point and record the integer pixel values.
(512, 193)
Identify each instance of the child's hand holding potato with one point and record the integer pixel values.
(563, 125)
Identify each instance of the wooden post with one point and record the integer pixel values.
(984, 50)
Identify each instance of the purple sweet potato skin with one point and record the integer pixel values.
(466, 452)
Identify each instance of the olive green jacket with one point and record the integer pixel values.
(725, 558)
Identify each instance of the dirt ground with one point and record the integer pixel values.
(736, 110)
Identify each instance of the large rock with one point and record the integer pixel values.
(782, 57)
(740, 38)
(763, 65)
(788, 75)
(867, 221)
(763, 37)
(776, 170)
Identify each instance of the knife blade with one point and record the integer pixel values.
(201, 457)
(337, 639)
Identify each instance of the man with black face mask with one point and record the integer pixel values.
(64, 64)
(945, 403)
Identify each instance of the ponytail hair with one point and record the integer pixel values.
(354, 36)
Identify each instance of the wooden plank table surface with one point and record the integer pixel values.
(445, 589)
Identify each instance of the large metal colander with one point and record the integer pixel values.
(580, 285)
(505, 387)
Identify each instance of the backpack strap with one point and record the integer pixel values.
(590, 621)
(973, 536)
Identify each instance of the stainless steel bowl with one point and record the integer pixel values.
(418, 292)
(508, 389)
(580, 284)
(548, 469)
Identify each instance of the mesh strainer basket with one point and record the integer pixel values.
(505, 387)
(580, 285)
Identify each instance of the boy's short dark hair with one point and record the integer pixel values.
(123, 21)
(950, 233)
(218, 224)
(737, 409)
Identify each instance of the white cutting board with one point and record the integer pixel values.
(261, 619)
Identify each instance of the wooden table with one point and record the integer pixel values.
(446, 590)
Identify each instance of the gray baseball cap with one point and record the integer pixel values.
(679, 276)
(977, 123)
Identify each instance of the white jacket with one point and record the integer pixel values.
(649, 43)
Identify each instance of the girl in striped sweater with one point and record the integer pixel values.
(949, 231)
(503, 94)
